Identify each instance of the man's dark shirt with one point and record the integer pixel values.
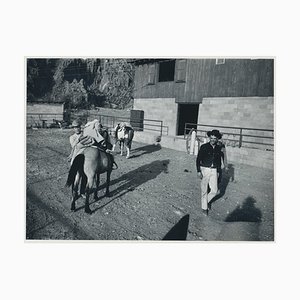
(209, 156)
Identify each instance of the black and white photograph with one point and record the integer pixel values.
(150, 149)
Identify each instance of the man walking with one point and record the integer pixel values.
(207, 163)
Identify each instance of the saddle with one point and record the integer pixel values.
(87, 141)
(109, 152)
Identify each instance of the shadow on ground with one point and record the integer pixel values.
(54, 216)
(145, 150)
(224, 181)
(133, 179)
(179, 231)
(243, 223)
(245, 213)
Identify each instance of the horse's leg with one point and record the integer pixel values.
(89, 186)
(75, 191)
(129, 141)
(122, 147)
(83, 184)
(97, 186)
(128, 152)
(74, 196)
(107, 182)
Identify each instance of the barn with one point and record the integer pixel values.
(180, 91)
(233, 93)
(43, 114)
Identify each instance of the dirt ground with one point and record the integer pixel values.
(155, 195)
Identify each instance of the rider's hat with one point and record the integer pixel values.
(216, 133)
(76, 123)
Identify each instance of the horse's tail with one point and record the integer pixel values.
(130, 134)
(75, 167)
(130, 138)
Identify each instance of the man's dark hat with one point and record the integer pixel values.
(216, 133)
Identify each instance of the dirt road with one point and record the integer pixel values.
(153, 194)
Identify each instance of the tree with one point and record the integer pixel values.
(32, 74)
(40, 78)
(117, 82)
(75, 94)
(81, 82)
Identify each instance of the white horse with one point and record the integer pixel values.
(124, 135)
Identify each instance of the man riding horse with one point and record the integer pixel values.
(93, 134)
(90, 157)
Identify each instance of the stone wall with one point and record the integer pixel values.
(250, 112)
(253, 157)
(246, 112)
(164, 109)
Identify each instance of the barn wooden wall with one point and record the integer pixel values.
(201, 78)
(147, 85)
(39, 113)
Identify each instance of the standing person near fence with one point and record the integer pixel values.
(223, 159)
(207, 163)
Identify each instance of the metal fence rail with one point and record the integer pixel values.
(254, 138)
(146, 125)
(43, 120)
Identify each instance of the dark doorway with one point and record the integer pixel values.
(187, 113)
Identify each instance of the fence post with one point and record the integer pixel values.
(241, 138)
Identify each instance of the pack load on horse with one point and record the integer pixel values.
(123, 134)
(90, 157)
(104, 133)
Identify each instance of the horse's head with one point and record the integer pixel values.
(122, 125)
(121, 133)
